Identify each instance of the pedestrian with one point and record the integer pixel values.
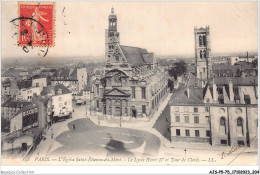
(52, 133)
(73, 126)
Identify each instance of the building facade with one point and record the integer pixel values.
(225, 112)
(133, 83)
(61, 100)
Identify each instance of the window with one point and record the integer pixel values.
(207, 119)
(240, 126)
(222, 123)
(60, 98)
(143, 93)
(206, 109)
(195, 109)
(97, 89)
(204, 70)
(144, 109)
(178, 132)
(207, 100)
(197, 133)
(223, 142)
(187, 132)
(65, 103)
(241, 142)
(196, 119)
(239, 121)
(235, 90)
(208, 133)
(186, 109)
(186, 119)
(97, 104)
(176, 109)
(221, 101)
(220, 90)
(177, 118)
(37, 84)
(247, 99)
(133, 92)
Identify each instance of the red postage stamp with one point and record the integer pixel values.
(36, 24)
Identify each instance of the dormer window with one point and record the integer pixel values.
(220, 90)
(60, 91)
(247, 99)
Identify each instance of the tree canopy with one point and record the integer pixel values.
(179, 68)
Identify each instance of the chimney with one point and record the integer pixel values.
(60, 91)
(215, 93)
(188, 92)
(231, 91)
(52, 92)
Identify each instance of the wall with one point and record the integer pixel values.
(59, 104)
(42, 82)
(16, 123)
(202, 126)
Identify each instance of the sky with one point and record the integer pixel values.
(165, 28)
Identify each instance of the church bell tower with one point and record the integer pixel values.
(112, 38)
(202, 55)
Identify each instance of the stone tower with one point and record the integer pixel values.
(202, 54)
(112, 38)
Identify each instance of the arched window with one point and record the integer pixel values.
(222, 123)
(200, 40)
(204, 40)
(205, 54)
(201, 54)
(240, 126)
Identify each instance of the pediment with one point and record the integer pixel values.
(116, 92)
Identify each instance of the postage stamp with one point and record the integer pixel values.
(36, 24)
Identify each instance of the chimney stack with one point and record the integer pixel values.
(215, 94)
(231, 91)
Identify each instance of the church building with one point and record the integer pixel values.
(132, 83)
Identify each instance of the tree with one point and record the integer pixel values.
(178, 69)
(255, 63)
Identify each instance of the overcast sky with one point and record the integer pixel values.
(165, 28)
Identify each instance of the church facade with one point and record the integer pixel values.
(132, 83)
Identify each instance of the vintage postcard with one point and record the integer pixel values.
(129, 83)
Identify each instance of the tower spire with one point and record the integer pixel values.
(112, 10)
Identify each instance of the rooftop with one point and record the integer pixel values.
(15, 104)
(134, 55)
(55, 89)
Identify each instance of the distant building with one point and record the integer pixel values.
(61, 100)
(82, 78)
(31, 116)
(73, 78)
(224, 112)
(223, 60)
(11, 107)
(26, 94)
(234, 60)
(133, 84)
(39, 82)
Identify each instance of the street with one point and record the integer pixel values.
(90, 139)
